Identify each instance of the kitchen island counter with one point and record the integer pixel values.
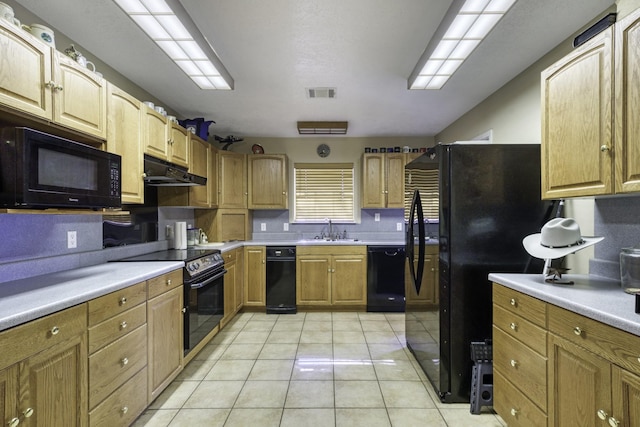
(27, 299)
(593, 297)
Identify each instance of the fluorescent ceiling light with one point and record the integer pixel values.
(474, 20)
(170, 27)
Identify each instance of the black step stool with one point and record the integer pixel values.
(481, 375)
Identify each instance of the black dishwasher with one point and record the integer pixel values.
(385, 278)
(281, 280)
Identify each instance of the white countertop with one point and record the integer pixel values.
(596, 298)
(28, 299)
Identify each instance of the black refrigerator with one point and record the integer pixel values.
(489, 200)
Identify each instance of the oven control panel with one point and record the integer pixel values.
(205, 263)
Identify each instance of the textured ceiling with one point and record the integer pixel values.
(365, 48)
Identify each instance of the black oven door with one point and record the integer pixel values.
(204, 301)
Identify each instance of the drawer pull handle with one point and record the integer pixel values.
(513, 363)
(168, 282)
(513, 302)
(513, 326)
(123, 300)
(124, 409)
(123, 325)
(124, 361)
(14, 422)
(28, 412)
(577, 330)
(55, 330)
(602, 414)
(613, 422)
(514, 412)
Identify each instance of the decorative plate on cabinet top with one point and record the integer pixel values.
(257, 149)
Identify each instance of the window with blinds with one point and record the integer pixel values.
(324, 190)
(427, 182)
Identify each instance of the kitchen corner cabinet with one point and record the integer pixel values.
(165, 331)
(224, 225)
(44, 83)
(383, 180)
(232, 180)
(43, 371)
(591, 143)
(124, 137)
(429, 289)
(255, 277)
(233, 284)
(331, 276)
(268, 182)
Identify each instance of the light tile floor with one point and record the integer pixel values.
(308, 369)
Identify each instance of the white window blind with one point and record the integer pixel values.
(324, 190)
(427, 182)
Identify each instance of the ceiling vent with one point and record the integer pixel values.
(321, 92)
(322, 128)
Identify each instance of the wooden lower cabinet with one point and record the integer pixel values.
(255, 283)
(331, 276)
(429, 289)
(233, 284)
(43, 377)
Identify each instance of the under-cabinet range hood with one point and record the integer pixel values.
(161, 173)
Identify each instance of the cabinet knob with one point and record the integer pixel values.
(577, 330)
(184, 310)
(613, 422)
(124, 410)
(123, 300)
(124, 361)
(604, 148)
(123, 325)
(513, 363)
(513, 326)
(55, 330)
(602, 414)
(28, 412)
(513, 302)
(168, 282)
(513, 412)
(14, 422)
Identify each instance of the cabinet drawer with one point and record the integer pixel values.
(619, 347)
(22, 341)
(110, 367)
(523, 305)
(116, 302)
(522, 366)
(124, 405)
(166, 282)
(230, 256)
(520, 329)
(512, 405)
(116, 327)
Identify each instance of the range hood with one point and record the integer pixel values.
(161, 173)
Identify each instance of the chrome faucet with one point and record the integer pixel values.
(330, 229)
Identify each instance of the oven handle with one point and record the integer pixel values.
(209, 280)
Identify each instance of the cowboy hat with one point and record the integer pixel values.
(558, 238)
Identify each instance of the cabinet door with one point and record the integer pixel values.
(349, 280)
(229, 293)
(232, 184)
(239, 283)
(8, 394)
(200, 195)
(579, 385)
(178, 145)
(428, 295)
(155, 134)
(313, 275)
(626, 397)
(165, 339)
(395, 180)
(81, 104)
(25, 72)
(255, 278)
(373, 181)
(627, 99)
(577, 114)
(124, 137)
(56, 381)
(267, 180)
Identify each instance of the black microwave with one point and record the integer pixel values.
(39, 170)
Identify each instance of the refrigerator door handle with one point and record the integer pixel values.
(416, 214)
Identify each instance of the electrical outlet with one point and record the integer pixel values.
(72, 239)
(285, 226)
(263, 226)
(376, 217)
(398, 226)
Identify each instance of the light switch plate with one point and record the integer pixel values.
(285, 226)
(376, 217)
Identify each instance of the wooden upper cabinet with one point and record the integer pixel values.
(179, 149)
(201, 195)
(232, 182)
(627, 102)
(124, 137)
(577, 114)
(383, 180)
(267, 181)
(155, 133)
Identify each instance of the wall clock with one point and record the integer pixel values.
(323, 150)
